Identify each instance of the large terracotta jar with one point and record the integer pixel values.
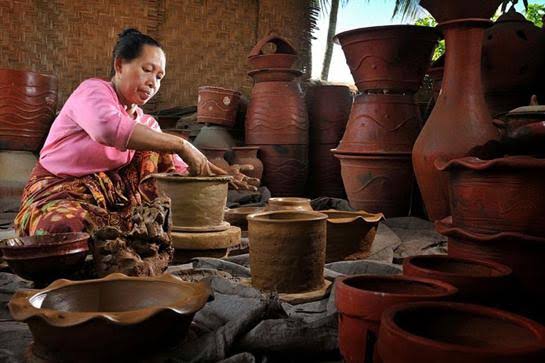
(247, 155)
(28, 102)
(217, 106)
(460, 119)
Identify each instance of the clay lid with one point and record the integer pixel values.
(474, 163)
(121, 300)
(283, 45)
(341, 217)
(287, 216)
(189, 179)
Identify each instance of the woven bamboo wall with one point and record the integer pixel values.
(206, 41)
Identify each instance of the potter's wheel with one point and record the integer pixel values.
(224, 226)
(189, 245)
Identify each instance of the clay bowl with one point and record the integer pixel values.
(274, 74)
(478, 281)
(113, 318)
(274, 60)
(288, 203)
(237, 216)
(350, 234)
(45, 258)
(446, 10)
(452, 333)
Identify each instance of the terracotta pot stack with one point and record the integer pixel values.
(28, 102)
(388, 64)
(276, 119)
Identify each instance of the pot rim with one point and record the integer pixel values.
(421, 29)
(216, 89)
(306, 216)
(214, 148)
(341, 154)
(477, 164)
(46, 254)
(353, 216)
(537, 330)
(289, 200)
(248, 147)
(188, 179)
(21, 72)
(22, 309)
(79, 237)
(472, 22)
(295, 72)
(500, 269)
(238, 211)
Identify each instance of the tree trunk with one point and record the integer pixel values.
(330, 34)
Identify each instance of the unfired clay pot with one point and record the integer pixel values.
(215, 137)
(393, 57)
(361, 299)
(237, 216)
(439, 332)
(288, 203)
(217, 105)
(15, 169)
(350, 235)
(478, 281)
(197, 202)
(287, 250)
(28, 102)
(127, 317)
(215, 156)
(247, 155)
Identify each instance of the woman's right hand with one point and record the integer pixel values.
(198, 163)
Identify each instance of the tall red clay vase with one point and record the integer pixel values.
(460, 119)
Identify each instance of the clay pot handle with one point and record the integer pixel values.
(282, 45)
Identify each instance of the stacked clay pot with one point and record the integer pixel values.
(28, 102)
(247, 155)
(276, 119)
(388, 64)
(328, 111)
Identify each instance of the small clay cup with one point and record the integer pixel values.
(288, 203)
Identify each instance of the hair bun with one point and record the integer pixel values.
(128, 31)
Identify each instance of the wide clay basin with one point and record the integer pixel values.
(438, 332)
(116, 317)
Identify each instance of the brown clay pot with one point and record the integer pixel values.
(378, 183)
(350, 235)
(276, 114)
(287, 250)
(447, 10)
(478, 281)
(439, 332)
(393, 57)
(523, 130)
(247, 155)
(285, 169)
(381, 123)
(460, 119)
(436, 73)
(288, 203)
(522, 253)
(237, 216)
(498, 195)
(45, 258)
(28, 102)
(324, 178)
(129, 318)
(361, 300)
(215, 156)
(217, 105)
(197, 202)
(215, 137)
(184, 134)
(284, 55)
(15, 169)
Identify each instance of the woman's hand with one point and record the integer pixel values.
(198, 163)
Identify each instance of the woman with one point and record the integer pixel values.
(102, 145)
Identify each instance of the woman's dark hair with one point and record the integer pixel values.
(129, 45)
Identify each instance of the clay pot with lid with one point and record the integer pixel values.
(287, 250)
(361, 300)
(440, 332)
(128, 318)
(350, 235)
(28, 101)
(288, 203)
(215, 156)
(217, 105)
(478, 281)
(247, 155)
(283, 55)
(393, 57)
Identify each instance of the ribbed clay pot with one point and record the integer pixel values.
(447, 10)
(247, 155)
(522, 253)
(350, 235)
(378, 183)
(197, 202)
(215, 137)
(217, 105)
(284, 55)
(393, 57)
(15, 169)
(381, 123)
(499, 195)
(478, 281)
(285, 169)
(439, 332)
(28, 102)
(361, 299)
(215, 156)
(324, 178)
(287, 250)
(460, 119)
(288, 203)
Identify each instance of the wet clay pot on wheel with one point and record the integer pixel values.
(460, 119)
(215, 156)
(127, 317)
(499, 195)
(478, 281)
(361, 300)
(288, 203)
(217, 105)
(247, 155)
(439, 332)
(287, 250)
(392, 57)
(350, 234)
(28, 102)
(198, 203)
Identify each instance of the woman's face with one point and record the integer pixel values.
(138, 80)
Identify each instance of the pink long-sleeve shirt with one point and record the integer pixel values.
(91, 133)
